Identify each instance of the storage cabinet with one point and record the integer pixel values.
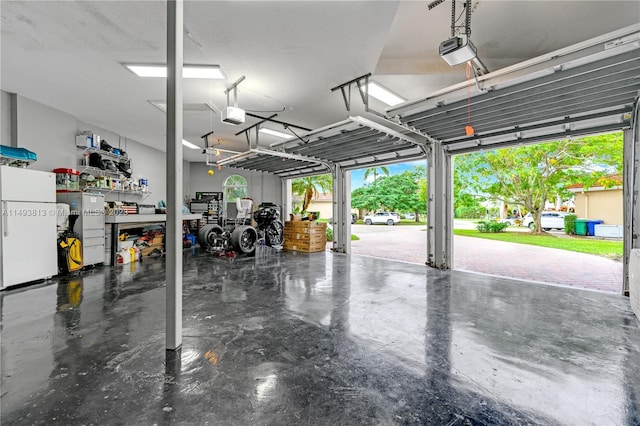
(90, 223)
(210, 205)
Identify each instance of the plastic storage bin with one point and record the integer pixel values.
(591, 226)
(581, 227)
(67, 180)
(20, 157)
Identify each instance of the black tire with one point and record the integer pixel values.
(367, 222)
(274, 234)
(390, 222)
(532, 226)
(244, 238)
(546, 229)
(210, 236)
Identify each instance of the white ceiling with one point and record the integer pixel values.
(68, 54)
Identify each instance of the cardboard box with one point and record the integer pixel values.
(305, 246)
(305, 227)
(305, 224)
(316, 236)
(305, 236)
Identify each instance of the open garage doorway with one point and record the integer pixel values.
(591, 197)
(549, 212)
(390, 204)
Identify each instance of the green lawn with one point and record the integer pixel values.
(411, 222)
(606, 248)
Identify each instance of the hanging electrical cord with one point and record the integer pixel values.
(469, 129)
(459, 16)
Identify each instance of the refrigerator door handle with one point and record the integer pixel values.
(5, 219)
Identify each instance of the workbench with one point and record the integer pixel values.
(121, 222)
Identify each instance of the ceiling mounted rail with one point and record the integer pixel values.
(345, 88)
(234, 88)
(283, 123)
(287, 126)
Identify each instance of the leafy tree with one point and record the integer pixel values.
(394, 193)
(310, 187)
(530, 175)
(466, 204)
(364, 198)
(374, 171)
(420, 175)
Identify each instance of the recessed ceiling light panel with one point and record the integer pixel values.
(213, 72)
(206, 107)
(383, 94)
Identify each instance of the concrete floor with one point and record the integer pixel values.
(321, 339)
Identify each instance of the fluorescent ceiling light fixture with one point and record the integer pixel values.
(275, 133)
(189, 107)
(383, 94)
(189, 144)
(213, 72)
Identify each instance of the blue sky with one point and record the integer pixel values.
(357, 176)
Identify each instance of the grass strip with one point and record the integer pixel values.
(606, 248)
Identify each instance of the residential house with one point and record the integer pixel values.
(601, 201)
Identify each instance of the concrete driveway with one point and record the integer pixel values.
(531, 263)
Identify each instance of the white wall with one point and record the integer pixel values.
(50, 133)
(260, 186)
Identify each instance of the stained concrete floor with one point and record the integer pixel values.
(320, 339)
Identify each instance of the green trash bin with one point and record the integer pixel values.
(581, 227)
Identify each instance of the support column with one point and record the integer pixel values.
(439, 208)
(341, 210)
(173, 237)
(631, 189)
(14, 120)
(287, 196)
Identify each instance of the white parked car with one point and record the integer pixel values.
(548, 220)
(382, 217)
(512, 220)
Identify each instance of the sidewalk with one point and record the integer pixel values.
(553, 266)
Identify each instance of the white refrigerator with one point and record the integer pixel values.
(28, 243)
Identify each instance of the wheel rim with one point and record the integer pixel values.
(247, 240)
(275, 234)
(209, 236)
(390, 222)
(368, 222)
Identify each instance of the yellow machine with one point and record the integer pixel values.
(69, 253)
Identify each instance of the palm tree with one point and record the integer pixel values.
(310, 186)
(374, 171)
